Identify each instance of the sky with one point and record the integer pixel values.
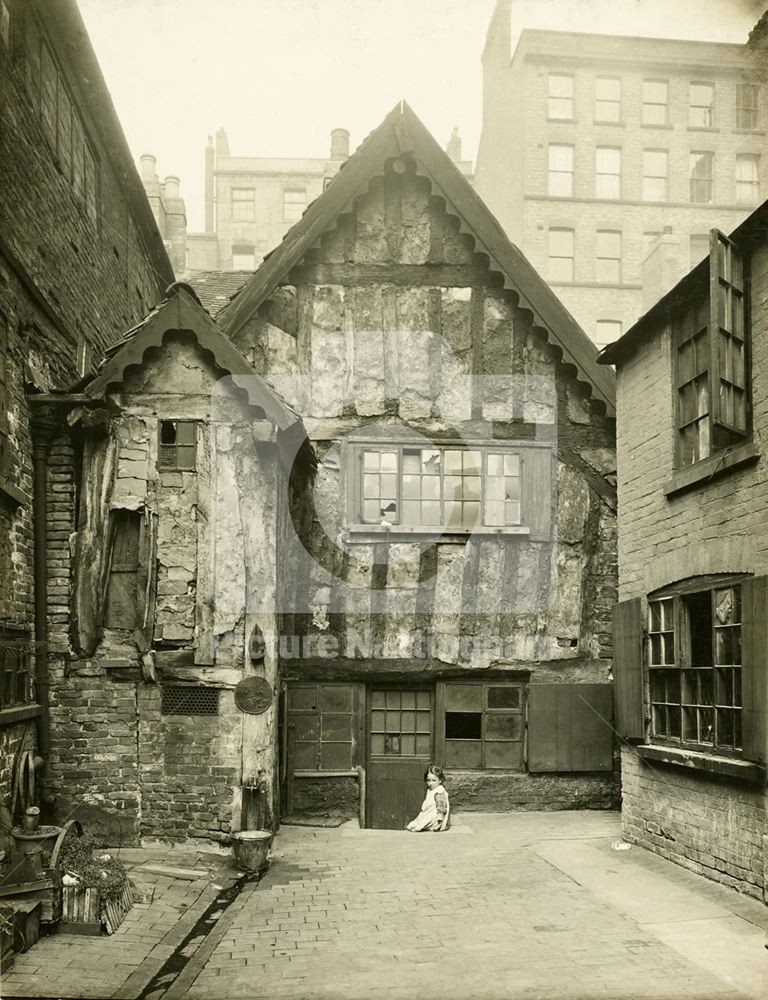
(278, 75)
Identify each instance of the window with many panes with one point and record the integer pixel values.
(711, 360)
(15, 668)
(560, 171)
(701, 105)
(440, 487)
(177, 447)
(655, 168)
(321, 720)
(607, 172)
(243, 204)
(746, 106)
(655, 102)
(59, 118)
(694, 665)
(483, 724)
(401, 723)
(560, 254)
(607, 99)
(560, 96)
(701, 171)
(608, 262)
(747, 179)
(294, 203)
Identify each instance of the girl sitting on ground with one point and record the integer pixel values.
(435, 809)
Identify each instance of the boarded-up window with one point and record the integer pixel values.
(482, 725)
(570, 727)
(323, 721)
(122, 607)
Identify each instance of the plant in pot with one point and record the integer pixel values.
(96, 886)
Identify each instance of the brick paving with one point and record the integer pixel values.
(527, 905)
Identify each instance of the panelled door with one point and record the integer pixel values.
(400, 735)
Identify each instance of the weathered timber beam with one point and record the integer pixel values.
(409, 275)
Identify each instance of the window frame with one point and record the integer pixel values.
(727, 283)
(556, 257)
(353, 462)
(706, 156)
(614, 177)
(752, 185)
(290, 213)
(676, 596)
(742, 109)
(486, 712)
(571, 99)
(708, 109)
(16, 644)
(656, 177)
(599, 120)
(554, 173)
(654, 104)
(601, 256)
(162, 464)
(246, 211)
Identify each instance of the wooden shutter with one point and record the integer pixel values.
(569, 727)
(537, 492)
(628, 668)
(754, 604)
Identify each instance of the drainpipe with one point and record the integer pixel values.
(43, 430)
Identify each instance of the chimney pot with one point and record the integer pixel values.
(148, 167)
(453, 149)
(339, 144)
(172, 185)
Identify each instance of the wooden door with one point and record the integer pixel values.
(400, 728)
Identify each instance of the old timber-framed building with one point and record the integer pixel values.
(81, 260)
(362, 520)
(692, 625)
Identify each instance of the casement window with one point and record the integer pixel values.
(60, 119)
(608, 257)
(15, 668)
(560, 175)
(451, 488)
(243, 204)
(560, 96)
(560, 254)
(711, 376)
(482, 724)
(655, 171)
(607, 99)
(694, 666)
(655, 102)
(607, 331)
(607, 172)
(746, 106)
(701, 171)
(747, 179)
(323, 723)
(177, 446)
(243, 257)
(294, 203)
(701, 105)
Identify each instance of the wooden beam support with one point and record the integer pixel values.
(409, 275)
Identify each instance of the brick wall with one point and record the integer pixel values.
(714, 828)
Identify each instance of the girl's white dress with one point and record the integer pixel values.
(435, 810)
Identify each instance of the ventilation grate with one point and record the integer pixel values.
(182, 699)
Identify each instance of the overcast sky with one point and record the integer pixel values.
(280, 74)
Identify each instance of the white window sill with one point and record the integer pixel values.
(377, 532)
(694, 760)
(708, 468)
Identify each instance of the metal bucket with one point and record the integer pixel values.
(251, 848)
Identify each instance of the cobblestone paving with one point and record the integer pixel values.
(475, 913)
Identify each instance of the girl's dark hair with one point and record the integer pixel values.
(437, 771)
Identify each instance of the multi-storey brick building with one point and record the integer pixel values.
(252, 202)
(691, 629)
(80, 260)
(608, 159)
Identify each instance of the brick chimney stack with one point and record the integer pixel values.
(453, 149)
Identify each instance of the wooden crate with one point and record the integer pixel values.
(79, 911)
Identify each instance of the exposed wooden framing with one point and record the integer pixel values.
(436, 275)
(393, 212)
(477, 323)
(204, 588)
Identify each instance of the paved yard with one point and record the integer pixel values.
(526, 905)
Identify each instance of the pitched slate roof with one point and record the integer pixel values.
(216, 288)
(181, 310)
(402, 132)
